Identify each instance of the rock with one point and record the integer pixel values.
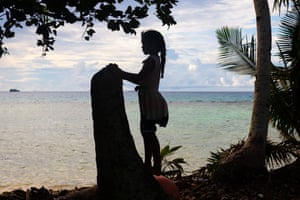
(168, 186)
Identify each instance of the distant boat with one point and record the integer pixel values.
(14, 90)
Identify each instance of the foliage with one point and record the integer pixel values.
(235, 55)
(282, 153)
(285, 80)
(171, 168)
(285, 106)
(277, 155)
(214, 160)
(285, 83)
(278, 4)
(49, 15)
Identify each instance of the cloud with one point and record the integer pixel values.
(192, 67)
(191, 56)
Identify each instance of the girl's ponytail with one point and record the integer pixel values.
(163, 57)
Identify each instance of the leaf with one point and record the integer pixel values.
(171, 168)
(113, 25)
(165, 151)
(90, 32)
(234, 55)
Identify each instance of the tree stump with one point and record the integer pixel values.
(120, 170)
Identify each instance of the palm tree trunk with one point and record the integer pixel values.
(120, 170)
(251, 157)
(260, 114)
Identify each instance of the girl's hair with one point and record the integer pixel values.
(159, 44)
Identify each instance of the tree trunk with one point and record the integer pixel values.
(120, 170)
(260, 114)
(251, 157)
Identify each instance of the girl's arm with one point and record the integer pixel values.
(134, 78)
(137, 78)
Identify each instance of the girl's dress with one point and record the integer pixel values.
(153, 106)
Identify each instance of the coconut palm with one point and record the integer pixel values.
(237, 54)
(250, 158)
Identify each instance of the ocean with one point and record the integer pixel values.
(47, 137)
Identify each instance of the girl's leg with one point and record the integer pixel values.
(147, 150)
(156, 155)
(152, 150)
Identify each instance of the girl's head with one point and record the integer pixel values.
(154, 43)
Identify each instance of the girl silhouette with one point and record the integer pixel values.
(153, 107)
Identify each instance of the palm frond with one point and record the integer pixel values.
(212, 164)
(288, 37)
(283, 153)
(235, 55)
(280, 77)
(214, 160)
(284, 103)
(277, 154)
(171, 167)
(281, 3)
(282, 116)
(168, 151)
(278, 4)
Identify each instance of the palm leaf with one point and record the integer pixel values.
(167, 151)
(281, 75)
(281, 3)
(288, 37)
(285, 96)
(282, 116)
(234, 54)
(214, 160)
(171, 168)
(278, 4)
(278, 155)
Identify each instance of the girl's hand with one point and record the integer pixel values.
(113, 68)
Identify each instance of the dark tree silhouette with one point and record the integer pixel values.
(120, 170)
(49, 15)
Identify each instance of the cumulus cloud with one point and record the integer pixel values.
(191, 56)
(192, 67)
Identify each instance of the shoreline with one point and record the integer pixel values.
(50, 188)
(283, 183)
(25, 187)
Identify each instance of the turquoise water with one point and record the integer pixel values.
(47, 137)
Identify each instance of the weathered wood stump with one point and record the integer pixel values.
(120, 169)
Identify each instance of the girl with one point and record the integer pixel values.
(153, 107)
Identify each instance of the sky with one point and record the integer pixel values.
(192, 51)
